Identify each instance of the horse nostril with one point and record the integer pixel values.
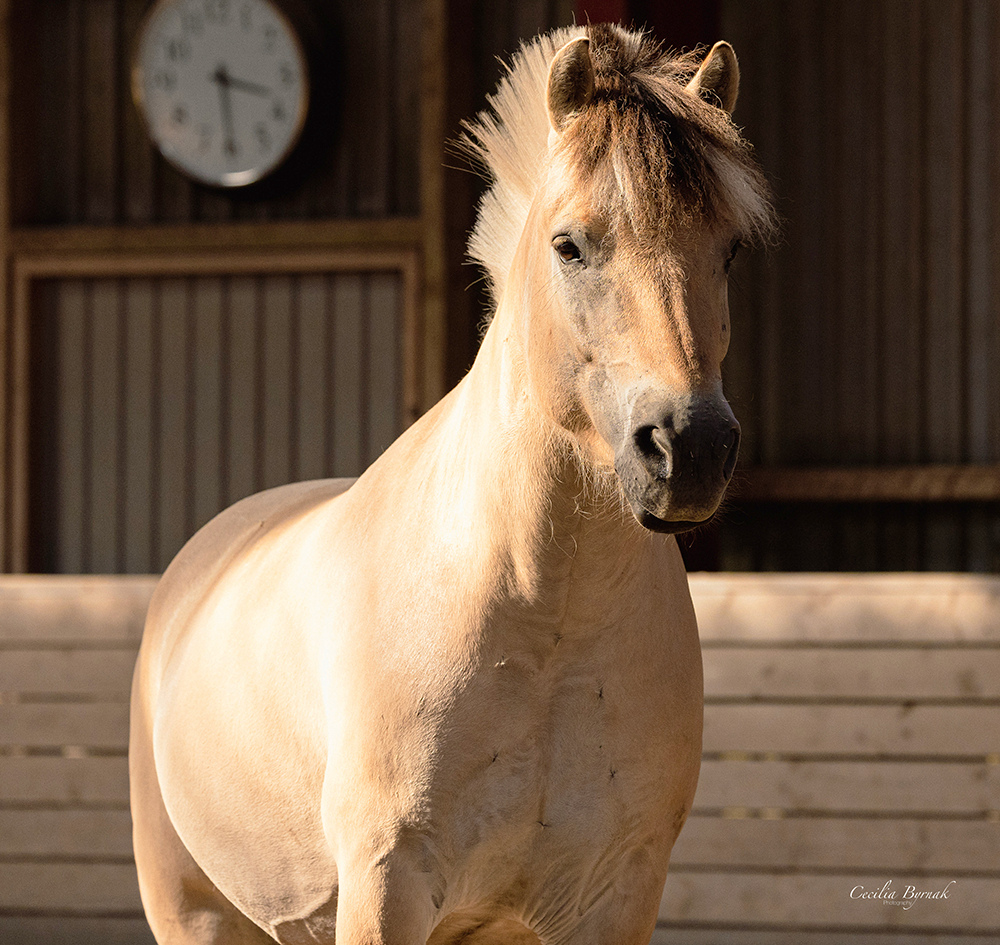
(646, 441)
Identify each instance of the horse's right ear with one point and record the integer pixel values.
(571, 82)
(718, 78)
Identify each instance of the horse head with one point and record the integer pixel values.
(647, 194)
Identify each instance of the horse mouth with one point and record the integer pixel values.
(666, 526)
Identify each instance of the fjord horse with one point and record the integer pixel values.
(461, 698)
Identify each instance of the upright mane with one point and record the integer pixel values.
(657, 152)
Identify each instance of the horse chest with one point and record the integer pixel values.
(565, 758)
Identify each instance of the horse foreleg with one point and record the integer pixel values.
(385, 903)
(182, 904)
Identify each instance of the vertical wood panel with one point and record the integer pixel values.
(172, 433)
(902, 281)
(138, 180)
(243, 397)
(277, 376)
(944, 49)
(101, 92)
(384, 361)
(69, 142)
(72, 428)
(403, 174)
(372, 164)
(138, 395)
(945, 184)
(206, 397)
(983, 284)
(104, 400)
(311, 417)
(347, 355)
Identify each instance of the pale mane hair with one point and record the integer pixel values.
(658, 155)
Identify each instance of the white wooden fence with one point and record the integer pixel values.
(852, 756)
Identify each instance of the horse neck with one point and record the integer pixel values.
(523, 485)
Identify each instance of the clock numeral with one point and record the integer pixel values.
(286, 73)
(217, 10)
(164, 80)
(180, 116)
(178, 50)
(230, 148)
(278, 112)
(246, 18)
(263, 136)
(270, 38)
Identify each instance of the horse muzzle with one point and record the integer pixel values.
(676, 459)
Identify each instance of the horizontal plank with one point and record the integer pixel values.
(66, 833)
(851, 845)
(863, 674)
(825, 901)
(849, 786)
(46, 725)
(79, 888)
(928, 483)
(866, 730)
(75, 931)
(686, 935)
(70, 608)
(855, 608)
(64, 781)
(853, 730)
(68, 671)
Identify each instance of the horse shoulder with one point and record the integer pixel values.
(205, 559)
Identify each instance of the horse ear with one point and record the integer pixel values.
(718, 78)
(571, 82)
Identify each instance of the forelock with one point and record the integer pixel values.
(658, 155)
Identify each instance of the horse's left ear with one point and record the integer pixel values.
(718, 77)
(571, 82)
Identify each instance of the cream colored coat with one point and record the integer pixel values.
(461, 696)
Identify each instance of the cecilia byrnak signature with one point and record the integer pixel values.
(904, 898)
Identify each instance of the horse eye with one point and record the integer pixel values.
(568, 250)
(733, 250)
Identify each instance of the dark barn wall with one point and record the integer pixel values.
(870, 336)
(155, 400)
(867, 338)
(81, 155)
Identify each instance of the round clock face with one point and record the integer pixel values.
(222, 85)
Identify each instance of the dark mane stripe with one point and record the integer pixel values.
(657, 154)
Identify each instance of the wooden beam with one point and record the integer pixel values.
(930, 483)
(404, 232)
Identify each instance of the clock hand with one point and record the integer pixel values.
(221, 78)
(252, 87)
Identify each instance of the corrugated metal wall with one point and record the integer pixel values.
(871, 336)
(162, 401)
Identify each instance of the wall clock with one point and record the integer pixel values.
(222, 85)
